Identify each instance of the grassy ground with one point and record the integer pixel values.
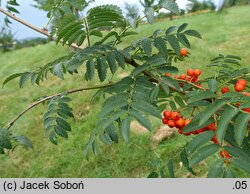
(226, 32)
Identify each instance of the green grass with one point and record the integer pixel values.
(226, 32)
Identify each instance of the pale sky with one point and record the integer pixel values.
(38, 18)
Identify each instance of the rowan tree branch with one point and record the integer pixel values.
(45, 32)
(34, 104)
(129, 61)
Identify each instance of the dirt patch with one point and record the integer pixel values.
(138, 128)
(162, 133)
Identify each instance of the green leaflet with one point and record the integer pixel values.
(185, 161)
(216, 169)
(241, 164)
(54, 119)
(193, 33)
(125, 129)
(211, 109)
(241, 127)
(5, 142)
(11, 77)
(169, 5)
(90, 69)
(173, 41)
(112, 62)
(147, 108)
(238, 153)
(203, 153)
(182, 27)
(171, 168)
(149, 13)
(201, 96)
(212, 85)
(111, 131)
(199, 140)
(24, 141)
(183, 40)
(228, 114)
(161, 46)
(101, 68)
(143, 120)
(170, 82)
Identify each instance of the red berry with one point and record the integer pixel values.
(183, 76)
(190, 72)
(225, 90)
(195, 79)
(239, 87)
(167, 74)
(183, 52)
(180, 123)
(224, 154)
(176, 77)
(167, 114)
(197, 72)
(175, 116)
(165, 121)
(242, 82)
(171, 123)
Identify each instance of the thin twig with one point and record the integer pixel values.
(34, 104)
(39, 30)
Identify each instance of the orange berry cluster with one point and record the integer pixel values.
(238, 87)
(175, 119)
(191, 76)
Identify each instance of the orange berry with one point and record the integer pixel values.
(180, 123)
(183, 52)
(239, 87)
(183, 76)
(190, 72)
(171, 123)
(167, 114)
(195, 79)
(175, 116)
(168, 74)
(165, 121)
(197, 72)
(225, 90)
(242, 81)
